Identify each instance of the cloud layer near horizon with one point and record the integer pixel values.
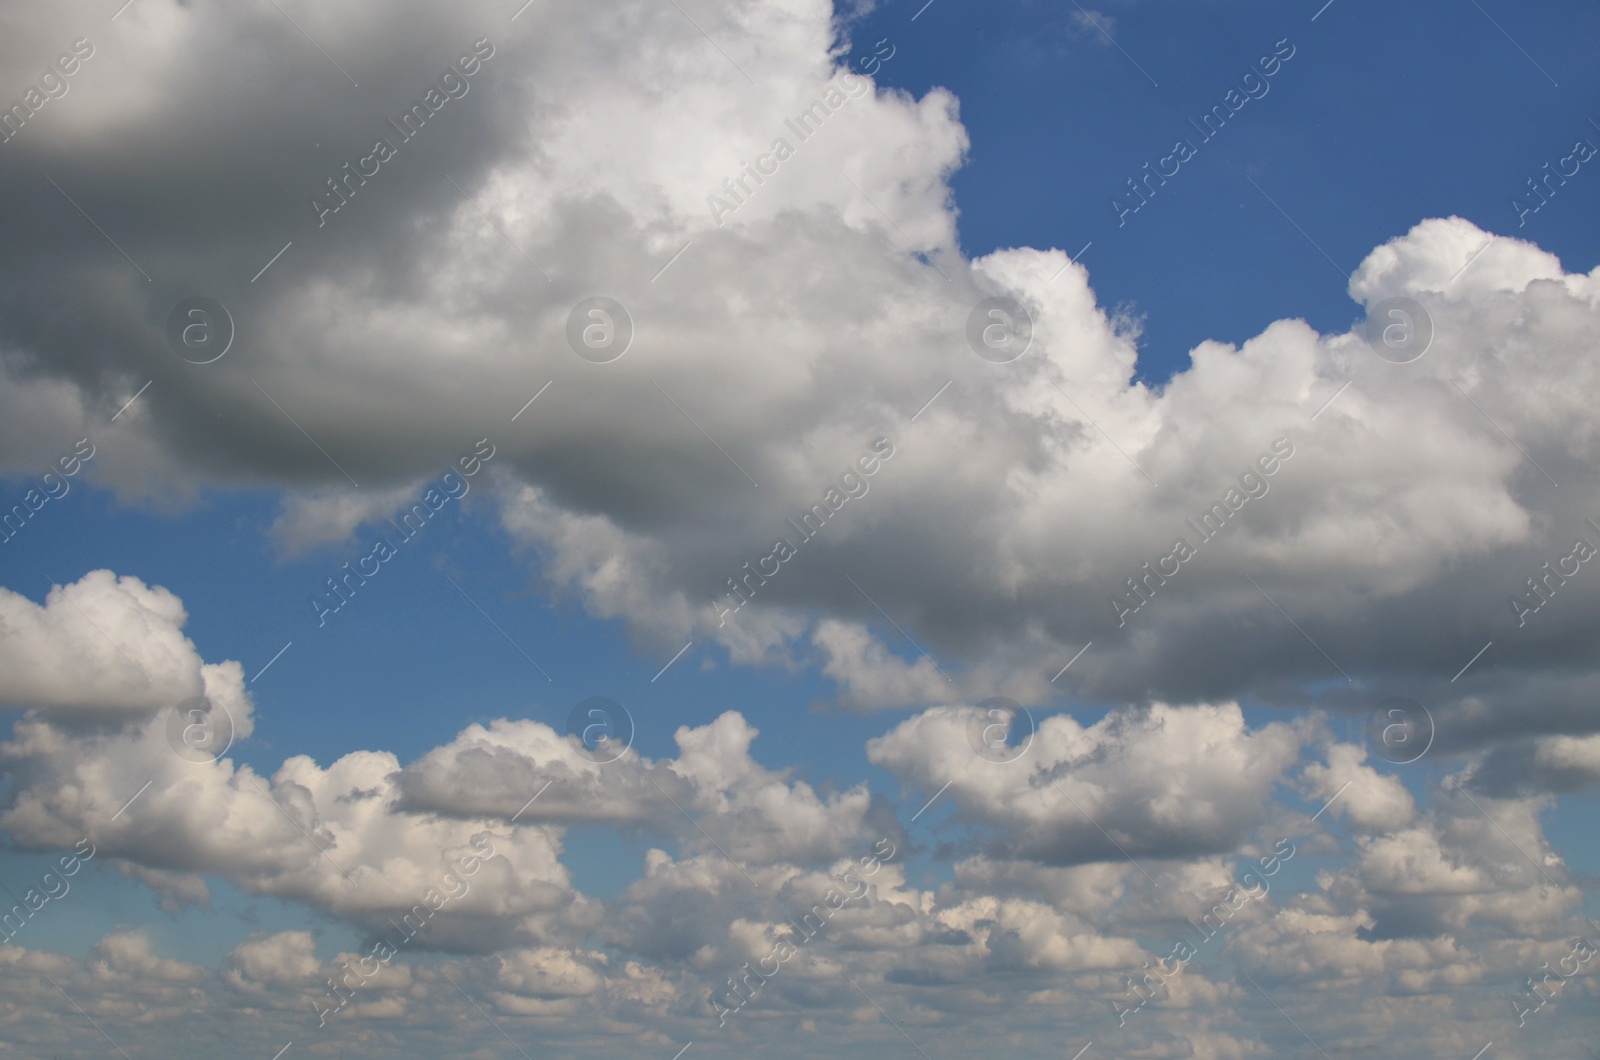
(1072, 866)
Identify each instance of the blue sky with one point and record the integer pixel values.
(1383, 117)
(1175, 743)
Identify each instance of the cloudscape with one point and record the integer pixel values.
(670, 528)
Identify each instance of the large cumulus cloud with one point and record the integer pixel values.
(1408, 505)
(821, 314)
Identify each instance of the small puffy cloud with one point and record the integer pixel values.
(1559, 765)
(761, 815)
(1169, 780)
(1370, 800)
(311, 519)
(108, 647)
(279, 959)
(126, 954)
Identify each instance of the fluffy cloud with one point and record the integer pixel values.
(501, 770)
(1554, 764)
(287, 958)
(330, 837)
(104, 647)
(1370, 800)
(1402, 514)
(1174, 781)
(1017, 505)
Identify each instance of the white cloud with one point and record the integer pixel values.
(284, 958)
(1012, 510)
(1373, 802)
(105, 646)
(795, 333)
(1175, 780)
